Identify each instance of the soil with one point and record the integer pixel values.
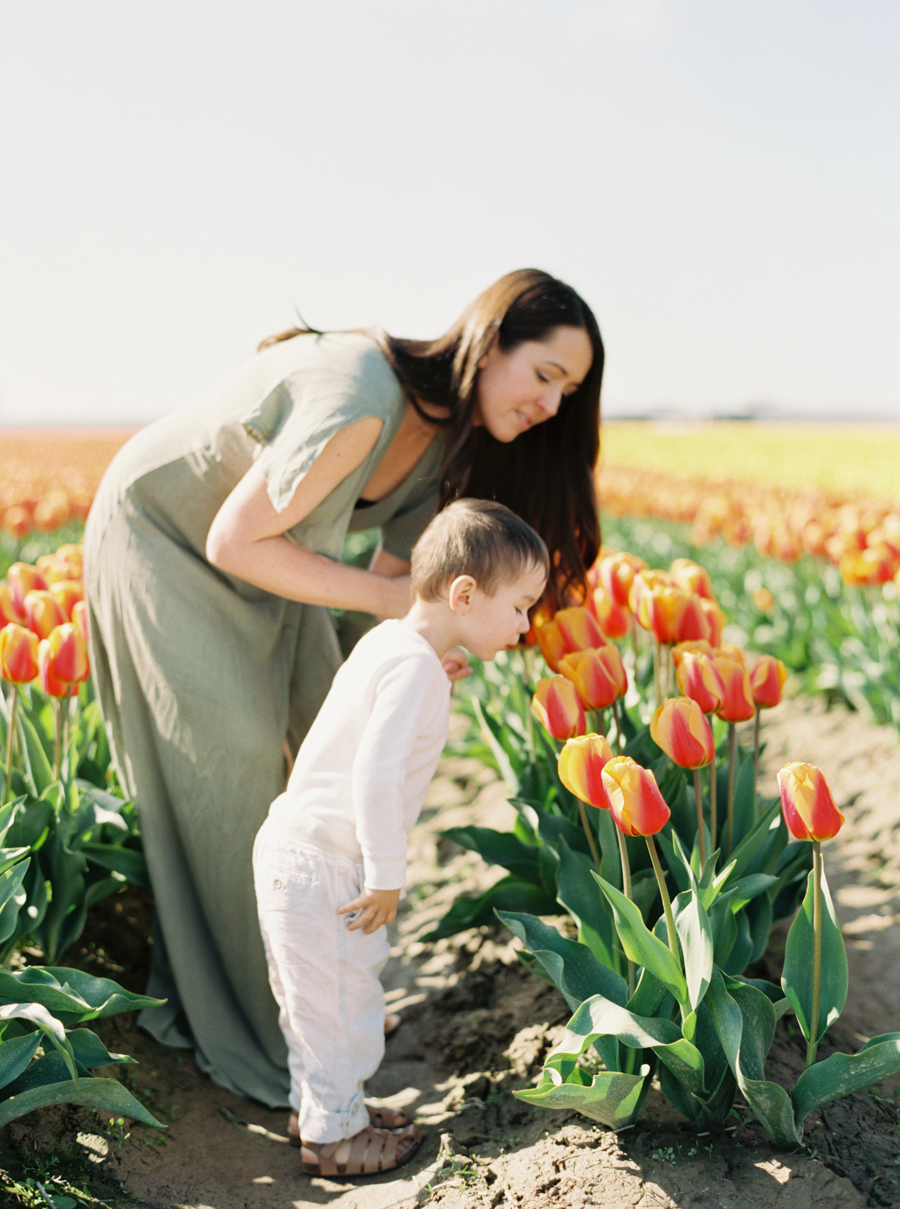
(476, 1025)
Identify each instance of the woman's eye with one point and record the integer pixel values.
(541, 377)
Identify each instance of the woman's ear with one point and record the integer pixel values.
(461, 594)
(488, 354)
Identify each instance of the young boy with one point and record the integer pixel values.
(330, 860)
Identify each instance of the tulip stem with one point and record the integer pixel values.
(57, 747)
(10, 738)
(656, 681)
(813, 1038)
(701, 836)
(732, 751)
(664, 895)
(756, 745)
(626, 890)
(592, 843)
(618, 718)
(713, 803)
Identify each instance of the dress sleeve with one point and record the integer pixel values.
(339, 381)
(403, 710)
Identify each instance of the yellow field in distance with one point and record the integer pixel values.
(847, 458)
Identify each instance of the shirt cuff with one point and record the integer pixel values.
(384, 874)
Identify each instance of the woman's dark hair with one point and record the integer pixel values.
(546, 474)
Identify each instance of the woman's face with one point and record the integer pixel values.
(521, 388)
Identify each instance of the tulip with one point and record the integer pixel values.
(51, 685)
(764, 600)
(767, 680)
(699, 678)
(572, 629)
(716, 619)
(18, 664)
(613, 620)
(580, 767)
(598, 674)
(8, 611)
(634, 798)
(737, 704)
(645, 581)
(68, 654)
(694, 646)
(22, 579)
(616, 574)
(18, 654)
(80, 618)
(692, 578)
(810, 814)
(681, 730)
(806, 803)
(42, 612)
(555, 704)
(693, 623)
(640, 809)
(67, 592)
(870, 567)
(660, 609)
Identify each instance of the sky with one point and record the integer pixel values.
(720, 180)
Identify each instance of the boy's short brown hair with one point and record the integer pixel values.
(480, 538)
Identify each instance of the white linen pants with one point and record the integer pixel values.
(324, 978)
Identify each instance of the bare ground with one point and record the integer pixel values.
(476, 1025)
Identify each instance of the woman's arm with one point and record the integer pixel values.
(246, 537)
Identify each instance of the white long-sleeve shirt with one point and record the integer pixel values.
(364, 768)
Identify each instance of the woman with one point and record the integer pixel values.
(212, 556)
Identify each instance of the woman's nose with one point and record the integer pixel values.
(549, 402)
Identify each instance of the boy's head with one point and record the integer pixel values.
(487, 565)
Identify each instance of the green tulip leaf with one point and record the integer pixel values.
(108, 1095)
(15, 1054)
(498, 848)
(695, 934)
(508, 894)
(841, 1074)
(53, 1029)
(128, 863)
(578, 894)
(612, 1098)
(641, 946)
(572, 967)
(797, 976)
(90, 1052)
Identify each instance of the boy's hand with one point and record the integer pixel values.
(376, 907)
(456, 664)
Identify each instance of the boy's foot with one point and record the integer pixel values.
(391, 1023)
(367, 1153)
(380, 1117)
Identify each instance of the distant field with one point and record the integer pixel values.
(42, 453)
(844, 458)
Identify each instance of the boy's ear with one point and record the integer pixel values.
(461, 594)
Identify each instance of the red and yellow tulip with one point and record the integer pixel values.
(767, 681)
(598, 674)
(699, 678)
(556, 706)
(806, 803)
(680, 728)
(580, 767)
(634, 798)
(572, 629)
(18, 654)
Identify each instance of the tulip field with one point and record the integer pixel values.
(645, 871)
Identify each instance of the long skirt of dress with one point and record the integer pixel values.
(199, 687)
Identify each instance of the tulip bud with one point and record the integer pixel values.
(693, 623)
(716, 619)
(767, 680)
(806, 803)
(692, 578)
(681, 730)
(634, 798)
(80, 618)
(42, 612)
(572, 629)
(18, 654)
(49, 683)
(660, 609)
(738, 704)
(599, 676)
(556, 706)
(698, 678)
(581, 763)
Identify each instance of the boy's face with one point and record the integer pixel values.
(493, 623)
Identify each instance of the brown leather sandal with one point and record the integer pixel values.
(380, 1117)
(369, 1152)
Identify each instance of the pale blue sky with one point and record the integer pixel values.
(719, 178)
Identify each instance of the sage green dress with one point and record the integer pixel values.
(201, 676)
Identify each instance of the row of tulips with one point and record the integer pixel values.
(861, 537)
(65, 842)
(671, 902)
(833, 637)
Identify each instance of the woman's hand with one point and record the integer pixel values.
(456, 664)
(375, 907)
